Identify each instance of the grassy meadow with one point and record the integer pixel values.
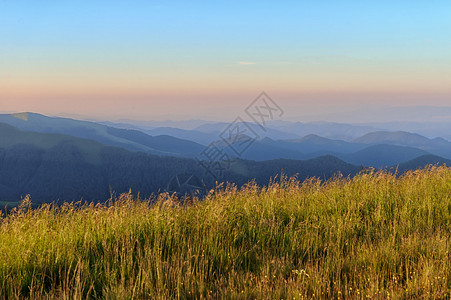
(376, 236)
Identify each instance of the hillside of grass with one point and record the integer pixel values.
(377, 235)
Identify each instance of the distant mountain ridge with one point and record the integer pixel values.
(54, 166)
(436, 146)
(129, 139)
(262, 148)
(371, 155)
(382, 155)
(310, 145)
(401, 138)
(422, 161)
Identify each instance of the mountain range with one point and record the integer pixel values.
(55, 158)
(130, 139)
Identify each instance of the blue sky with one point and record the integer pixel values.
(167, 56)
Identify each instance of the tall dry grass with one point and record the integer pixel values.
(377, 235)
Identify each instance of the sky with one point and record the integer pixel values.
(155, 60)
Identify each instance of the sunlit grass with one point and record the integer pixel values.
(377, 235)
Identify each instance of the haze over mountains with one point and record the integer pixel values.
(59, 158)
